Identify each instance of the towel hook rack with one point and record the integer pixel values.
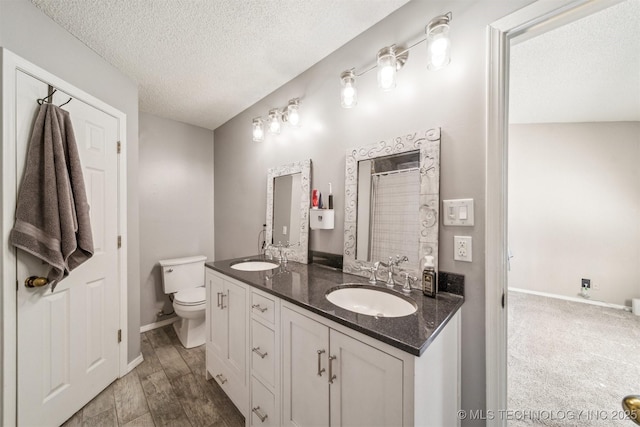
(65, 102)
(48, 98)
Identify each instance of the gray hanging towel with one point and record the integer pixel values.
(52, 214)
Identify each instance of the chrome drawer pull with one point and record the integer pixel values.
(221, 378)
(320, 368)
(331, 376)
(257, 411)
(257, 307)
(257, 351)
(218, 293)
(222, 295)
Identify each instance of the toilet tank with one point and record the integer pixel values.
(182, 273)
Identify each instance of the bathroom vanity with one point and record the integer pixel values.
(285, 355)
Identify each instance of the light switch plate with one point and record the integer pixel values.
(457, 212)
(462, 248)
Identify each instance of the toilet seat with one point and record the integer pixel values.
(188, 297)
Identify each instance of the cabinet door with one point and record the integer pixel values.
(218, 317)
(235, 307)
(367, 390)
(305, 384)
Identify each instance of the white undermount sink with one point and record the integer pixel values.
(371, 300)
(254, 265)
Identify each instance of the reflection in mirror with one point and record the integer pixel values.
(388, 206)
(288, 194)
(286, 209)
(392, 202)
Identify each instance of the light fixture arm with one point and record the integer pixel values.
(402, 54)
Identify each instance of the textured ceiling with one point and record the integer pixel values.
(585, 71)
(204, 61)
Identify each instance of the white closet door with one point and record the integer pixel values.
(67, 339)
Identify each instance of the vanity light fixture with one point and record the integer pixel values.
(438, 43)
(258, 129)
(386, 62)
(273, 123)
(348, 94)
(392, 58)
(292, 114)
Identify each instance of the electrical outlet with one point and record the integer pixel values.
(462, 248)
(586, 283)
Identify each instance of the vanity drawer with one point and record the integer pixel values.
(263, 405)
(263, 307)
(263, 360)
(234, 387)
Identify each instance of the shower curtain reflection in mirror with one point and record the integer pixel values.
(388, 208)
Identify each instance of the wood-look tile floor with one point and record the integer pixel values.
(168, 389)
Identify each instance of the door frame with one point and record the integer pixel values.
(11, 63)
(530, 21)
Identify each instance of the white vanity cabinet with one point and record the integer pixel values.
(227, 336)
(375, 384)
(282, 364)
(331, 378)
(265, 360)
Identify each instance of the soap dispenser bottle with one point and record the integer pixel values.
(429, 278)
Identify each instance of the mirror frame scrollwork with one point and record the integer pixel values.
(297, 252)
(428, 143)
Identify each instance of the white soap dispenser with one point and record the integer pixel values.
(429, 277)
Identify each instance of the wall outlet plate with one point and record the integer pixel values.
(462, 248)
(586, 283)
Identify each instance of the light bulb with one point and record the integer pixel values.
(293, 114)
(387, 66)
(274, 122)
(348, 93)
(258, 130)
(438, 43)
(294, 118)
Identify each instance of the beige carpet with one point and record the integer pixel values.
(570, 363)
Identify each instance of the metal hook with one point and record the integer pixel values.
(65, 102)
(46, 98)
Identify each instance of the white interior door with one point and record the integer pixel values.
(68, 339)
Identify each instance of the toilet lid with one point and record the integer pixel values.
(190, 296)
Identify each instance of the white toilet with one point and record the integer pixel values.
(184, 279)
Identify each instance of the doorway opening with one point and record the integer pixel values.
(573, 209)
(537, 179)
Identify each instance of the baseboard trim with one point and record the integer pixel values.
(159, 324)
(574, 299)
(135, 362)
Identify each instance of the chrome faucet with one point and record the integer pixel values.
(408, 279)
(282, 251)
(278, 247)
(390, 268)
(373, 270)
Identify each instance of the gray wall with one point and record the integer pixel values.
(32, 35)
(176, 202)
(574, 208)
(453, 99)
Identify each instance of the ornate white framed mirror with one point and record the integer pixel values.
(392, 199)
(288, 201)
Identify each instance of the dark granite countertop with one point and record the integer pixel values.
(306, 284)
